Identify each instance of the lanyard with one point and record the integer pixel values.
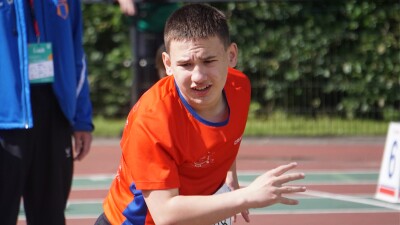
(35, 22)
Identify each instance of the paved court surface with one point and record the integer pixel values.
(341, 177)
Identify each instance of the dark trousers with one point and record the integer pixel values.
(102, 220)
(37, 164)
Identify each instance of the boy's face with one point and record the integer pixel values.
(200, 69)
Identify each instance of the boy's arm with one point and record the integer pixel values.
(233, 184)
(231, 177)
(168, 207)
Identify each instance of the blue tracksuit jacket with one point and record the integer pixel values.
(60, 22)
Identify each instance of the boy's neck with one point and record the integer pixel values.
(218, 114)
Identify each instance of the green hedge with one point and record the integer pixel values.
(318, 57)
(107, 45)
(331, 57)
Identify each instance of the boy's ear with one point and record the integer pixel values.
(233, 54)
(167, 63)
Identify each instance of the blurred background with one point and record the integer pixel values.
(317, 67)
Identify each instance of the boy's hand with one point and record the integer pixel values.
(269, 189)
(127, 7)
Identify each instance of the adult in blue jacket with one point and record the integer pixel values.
(44, 101)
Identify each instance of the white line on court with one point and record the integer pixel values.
(346, 181)
(324, 183)
(316, 211)
(348, 198)
(259, 172)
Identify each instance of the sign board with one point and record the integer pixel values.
(388, 188)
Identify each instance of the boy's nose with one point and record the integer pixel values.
(199, 75)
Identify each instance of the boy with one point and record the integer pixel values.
(182, 137)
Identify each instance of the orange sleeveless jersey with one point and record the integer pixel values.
(166, 145)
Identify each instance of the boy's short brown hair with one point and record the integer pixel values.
(196, 21)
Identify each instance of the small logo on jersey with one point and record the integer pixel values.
(117, 176)
(204, 161)
(68, 152)
(62, 9)
(237, 141)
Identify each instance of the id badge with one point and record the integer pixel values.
(223, 189)
(41, 67)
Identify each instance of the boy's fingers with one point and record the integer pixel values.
(289, 201)
(288, 177)
(246, 216)
(283, 169)
(290, 189)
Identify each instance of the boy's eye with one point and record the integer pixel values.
(185, 64)
(209, 61)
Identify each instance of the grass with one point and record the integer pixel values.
(108, 127)
(306, 127)
(278, 124)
